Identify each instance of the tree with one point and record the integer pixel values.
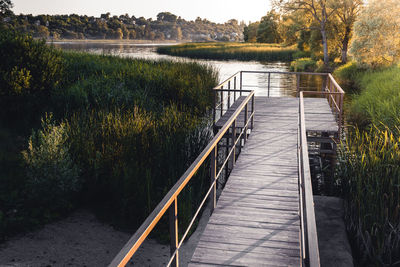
(166, 16)
(376, 39)
(267, 31)
(319, 10)
(347, 11)
(5, 7)
(250, 32)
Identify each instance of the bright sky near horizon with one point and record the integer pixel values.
(213, 10)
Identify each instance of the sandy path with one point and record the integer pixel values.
(82, 240)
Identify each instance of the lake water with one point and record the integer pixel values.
(281, 85)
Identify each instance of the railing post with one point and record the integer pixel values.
(222, 101)
(213, 166)
(233, 143)
(215, 107)
(241, 82)
(229, 94)
(173, 231)
(245, 123)
(234, 88)
(252, 112)
(298, 84)
(269, 82)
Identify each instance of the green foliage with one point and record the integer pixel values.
(267, 31)
(29, 71)
(368, 172)
(376, 40)
(250, 32)
(127, 130)
(379, 100)
(303, 64)
(226, 51)
(52, 176)
(347, 76)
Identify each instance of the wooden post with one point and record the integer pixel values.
(213, 165)
(173, 231)
(269, 82)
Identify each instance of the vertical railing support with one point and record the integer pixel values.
(234, 88)
(241, 82)
(245, 123)
(269, 82)
(233, 138)
(173, 231)
(298, 84)
(213, 167)
(222, 101)
(215, 107)
(229, 94)
(252, 112)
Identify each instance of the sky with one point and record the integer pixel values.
(213, 10)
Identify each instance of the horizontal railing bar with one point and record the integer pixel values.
(321, 93)
(147, 226)
(335, 83)
(226, 81)
(233, 90)
(285, 72)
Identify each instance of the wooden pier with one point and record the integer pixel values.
(256, 221)
(265, 213)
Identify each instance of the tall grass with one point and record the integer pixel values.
(123, 131)
(368, 172)
(379, 99)
(227, 51)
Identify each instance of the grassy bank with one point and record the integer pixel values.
(227, 51)
(368, 170)
(112, 133)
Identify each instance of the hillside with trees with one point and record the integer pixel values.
(167, 26)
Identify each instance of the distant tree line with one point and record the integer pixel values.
(167, 26)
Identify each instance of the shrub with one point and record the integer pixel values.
(347, 76)
(368, 172)
(52, 176)
(303, 64)
(29, 70)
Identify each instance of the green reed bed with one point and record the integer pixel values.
(110, 133)
(368, 172)
(227, 51)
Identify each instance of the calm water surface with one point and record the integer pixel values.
(281, 85)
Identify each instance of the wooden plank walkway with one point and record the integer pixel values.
(256, 221)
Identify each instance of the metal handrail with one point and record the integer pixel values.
(309, 238)
(169, 202)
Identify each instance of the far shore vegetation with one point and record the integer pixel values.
(228, 51)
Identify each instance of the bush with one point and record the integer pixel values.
(29, 71)
(52, 176)
(368, 172)
(303, 64)
(347, 76)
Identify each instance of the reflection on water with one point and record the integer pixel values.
(280, 84)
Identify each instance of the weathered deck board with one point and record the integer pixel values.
(256, 221)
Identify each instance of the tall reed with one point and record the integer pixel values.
(368, 172)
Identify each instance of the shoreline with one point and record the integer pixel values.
(115, 41)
